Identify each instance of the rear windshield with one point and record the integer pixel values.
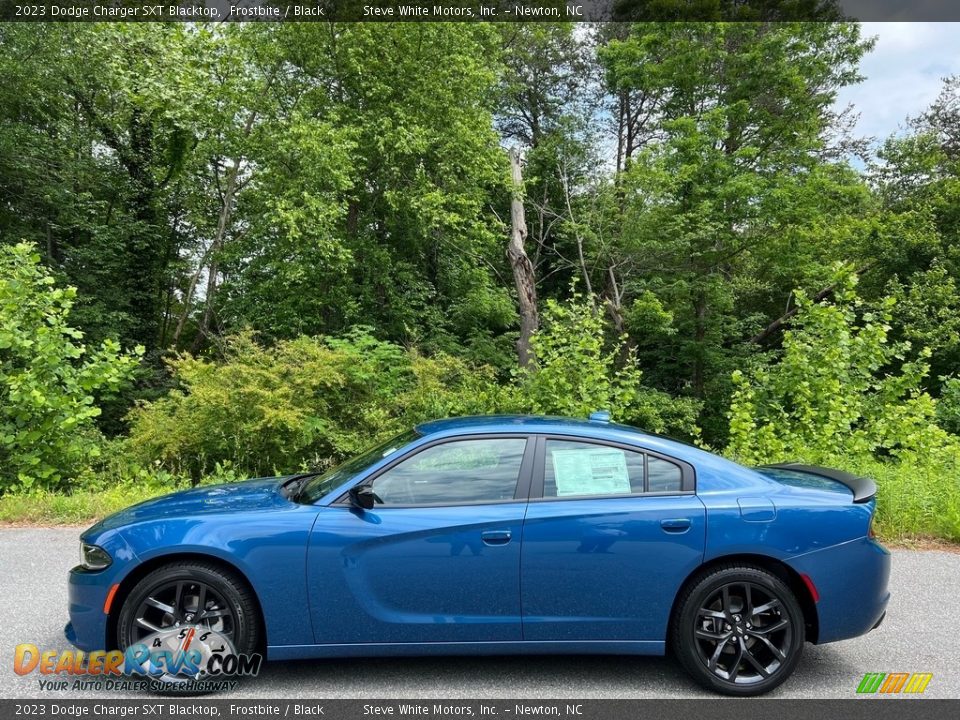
(796, 478)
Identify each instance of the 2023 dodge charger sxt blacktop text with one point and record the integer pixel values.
(497, 535)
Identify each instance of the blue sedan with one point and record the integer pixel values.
(502, 535)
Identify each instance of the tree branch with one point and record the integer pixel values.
(782, 320)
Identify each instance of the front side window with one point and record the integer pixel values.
(321, 484)
(574, 469)
(462, 471)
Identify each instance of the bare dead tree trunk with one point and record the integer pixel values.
(523, 275)
(620, 132)
(615, 301)
(223, 223)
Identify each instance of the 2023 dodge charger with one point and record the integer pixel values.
(501, 535)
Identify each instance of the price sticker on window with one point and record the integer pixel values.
(591, 471)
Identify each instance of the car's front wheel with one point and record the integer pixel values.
(738, 630)
(191, 595)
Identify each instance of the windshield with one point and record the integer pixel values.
(320, 485)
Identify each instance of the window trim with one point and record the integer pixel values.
(521, 491)
(688, 477)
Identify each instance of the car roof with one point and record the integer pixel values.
(524, 423)
(727, 474)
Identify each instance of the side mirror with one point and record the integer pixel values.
(363, 497)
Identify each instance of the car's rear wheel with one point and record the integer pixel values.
(191, 594)
(738, 630)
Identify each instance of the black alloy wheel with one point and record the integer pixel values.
(739, 631)
(190, 594)
(183, 602)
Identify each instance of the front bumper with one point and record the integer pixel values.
(86, 593)
(851, 580)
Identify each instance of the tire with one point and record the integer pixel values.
(738, 630)
(225, 594)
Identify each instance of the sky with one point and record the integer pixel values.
(904, 73)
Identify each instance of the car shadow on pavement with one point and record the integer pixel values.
(541, 676)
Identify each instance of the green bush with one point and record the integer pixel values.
(842, 394)
(298, 403)
(840, 387)
(110, 484)
(49, 381)
(307, 402)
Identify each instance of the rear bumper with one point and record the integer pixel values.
(851, 580)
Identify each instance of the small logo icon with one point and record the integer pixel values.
(894, 683)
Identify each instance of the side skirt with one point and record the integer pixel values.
(519, 647)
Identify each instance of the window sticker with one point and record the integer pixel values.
(591, 471)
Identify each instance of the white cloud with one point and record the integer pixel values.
(904, 74)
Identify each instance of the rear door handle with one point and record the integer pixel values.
(675, 525)
(496, 537)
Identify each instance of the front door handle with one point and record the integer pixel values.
(675, 525)
(496, 537)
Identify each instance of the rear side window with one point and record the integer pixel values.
(462, 471)
(573, 469)
(663, 475)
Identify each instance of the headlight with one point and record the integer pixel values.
(93, 557)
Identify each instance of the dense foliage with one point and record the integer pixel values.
(839, 387)
(841, 393)
(305, 226)
(305, 402)
(579, 372)
(298, 403)
(49, 381)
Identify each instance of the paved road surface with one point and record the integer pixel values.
(921, 634)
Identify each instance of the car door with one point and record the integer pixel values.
(610, 534)
(438, 557)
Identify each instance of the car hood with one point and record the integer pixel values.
(256, 494)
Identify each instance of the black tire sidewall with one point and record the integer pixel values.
(684, 642)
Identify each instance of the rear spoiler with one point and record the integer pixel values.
(863, 488)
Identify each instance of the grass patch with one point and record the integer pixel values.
(83, 506)
(915, 499)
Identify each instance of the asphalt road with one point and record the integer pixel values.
(921, 634)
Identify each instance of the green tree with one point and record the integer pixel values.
(377, 191)
(917, 259)
(726, 166)
(299, 403)
(97, 134)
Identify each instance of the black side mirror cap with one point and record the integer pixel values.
(363, 497)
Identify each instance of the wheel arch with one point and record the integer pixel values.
(777, 567)
(148, 566)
